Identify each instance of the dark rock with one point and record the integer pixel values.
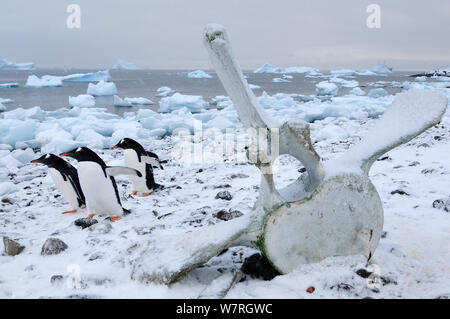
(399, 192)
(227, 215)
(7, 200)
(164, 216)
(386, 281)
(383, 234)
(424, 145)
(443, 204)
(85, 222)
(363, 273)
(225, 195)
(56, 279)
(437, 138)
(302, 170)
(257, 266)
(427, 170)
(342, 286)
(415, 163)
(239, 175)
(53, 246)
(12, 248)
(222, 186)
(95, 256)
(384, 158)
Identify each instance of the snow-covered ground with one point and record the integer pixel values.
(412, 257)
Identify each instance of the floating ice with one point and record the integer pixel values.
(357, 91)
(164, 91)
(343, 72)
(194, 103)
(139, 100)
(377, 69)
(6, 101)
(280, 80)
(120, 102)
(88, 77)
(326, 88)
(268, 68)
(375, 93)
(102, 88)
(421, 79)
(82, 100)
(344, 83)
(124, 65)
(9, 85)
(2, 107)
(7, 65)
(254, 86)
(45, 81)
(198, 74)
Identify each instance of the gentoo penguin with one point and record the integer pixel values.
(65, 177)
(98, 183)
(143, 161)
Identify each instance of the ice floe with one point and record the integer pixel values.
(82, 100)
(120, 102)
(193, 103)
(139, 100)
(326, 88)
(9, 85)
(199, 74)
(269, 68)
(45, 81)
(164, 91)
(102, 88)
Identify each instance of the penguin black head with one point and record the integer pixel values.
(128, 143)
(50, 160)
(84, 154)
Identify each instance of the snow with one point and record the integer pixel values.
(124, 65)
(45, 81)
(7, 65)
(198, 74)
(102, 88)
(9, 85)
(194, 103)
(139, 100)
(326, 88)
(82, 100)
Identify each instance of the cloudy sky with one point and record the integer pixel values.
(166, 34)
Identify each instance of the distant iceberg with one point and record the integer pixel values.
(268, 68)
(9, 85)
(343, 72)
(82, 100)
(124, 65)
(6, 101)
(377, 69)
(7, 65)
(102, 88)
(88, 77)
(193, 103)
(45, 81)
(198, 74)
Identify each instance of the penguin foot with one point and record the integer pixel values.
(70, 211)
(145, 195)
(90, 216)
(133, 193)
(114, 219)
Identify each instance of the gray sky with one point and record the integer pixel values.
(327, 34)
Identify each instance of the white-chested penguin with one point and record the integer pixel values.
(138, 158)
(65, 177)
(98, 183)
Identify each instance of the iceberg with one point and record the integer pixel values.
(102, 88)
(9, 85)
(421, 79)
(164, 91)
(357, 91)
(254, 86)
(343, 72)
(82, 100)
(139, 100)
(7, 65)
(325, 88)
(377, 69)
(120, 102)
(88, 77)
(280, 80)
(376, 93)
(345, 83)
(124, 65)
(194, 103)
(45, 81)
(268, 68)
(199, 74)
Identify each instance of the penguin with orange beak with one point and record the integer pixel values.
(65, 177)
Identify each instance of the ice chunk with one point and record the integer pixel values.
(139, 100)
(35, 113)
(343, 72)
(82, 100)
(9, 85)
(102, 88)
(198, 74)
(88, 77)
(13, 131)
(124, 65)
(193, 103)
(7, 188)
(345, 83)
(45, 81)
(268, 68)
(119, 102)
(277, 101)
(280, 80)
(375, 93)
(377, 69)
(6, 101)
(326, 88)
(24, 156)
(421, 79)
(357, 91)
(164, 91)
(91, 139)
(7, 65)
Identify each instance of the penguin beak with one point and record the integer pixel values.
(115, 146)
(34, 161)
(64, 154)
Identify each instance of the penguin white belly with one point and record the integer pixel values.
(132, 160)
(65, 187)
(98, 190)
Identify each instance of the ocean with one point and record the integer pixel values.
(144, 83)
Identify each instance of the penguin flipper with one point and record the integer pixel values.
(152, 161)
(121, 170)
